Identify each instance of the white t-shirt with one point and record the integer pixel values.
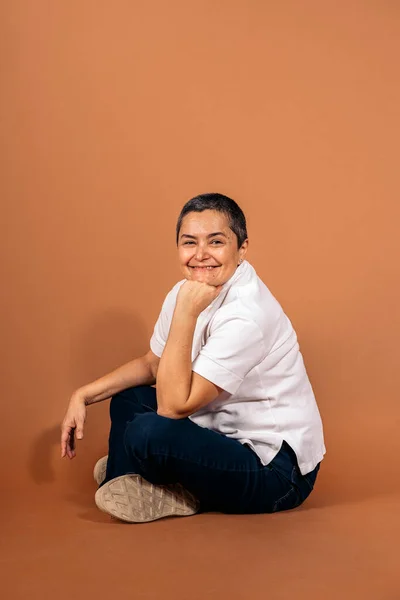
(245, 344)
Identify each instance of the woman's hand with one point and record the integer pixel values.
(73, 424)
(194, 296)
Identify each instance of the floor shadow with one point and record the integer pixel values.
(40, 463)
(94, 515)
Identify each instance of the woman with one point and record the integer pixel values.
(233, 425)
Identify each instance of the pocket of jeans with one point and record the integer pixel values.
(311, 477)
(293, 497)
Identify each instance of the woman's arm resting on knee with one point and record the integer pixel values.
(140, 371)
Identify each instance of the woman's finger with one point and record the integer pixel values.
(71, 452)
(79, 430)
(65, 432)
(72, 442)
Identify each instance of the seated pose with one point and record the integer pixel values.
(232, 425)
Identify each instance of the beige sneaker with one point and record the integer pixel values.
(133, 499)
(99, 471)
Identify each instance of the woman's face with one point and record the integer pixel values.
(207, 247)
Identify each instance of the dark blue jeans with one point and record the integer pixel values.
(225, 475)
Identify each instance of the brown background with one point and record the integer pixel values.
(116, 113)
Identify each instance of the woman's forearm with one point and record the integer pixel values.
(136, 372)
(174, 374)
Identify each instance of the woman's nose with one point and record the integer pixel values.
(200, 252)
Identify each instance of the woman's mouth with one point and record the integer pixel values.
(208, 268)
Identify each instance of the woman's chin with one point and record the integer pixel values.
(204, 277)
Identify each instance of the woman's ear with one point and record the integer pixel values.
(243, 250)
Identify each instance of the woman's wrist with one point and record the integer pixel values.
(186, 313)
(80, 396)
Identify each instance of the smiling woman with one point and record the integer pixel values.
(232, 424)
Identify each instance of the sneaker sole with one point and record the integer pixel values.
(99, 471)
(132, 499)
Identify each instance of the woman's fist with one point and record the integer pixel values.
(194, 296)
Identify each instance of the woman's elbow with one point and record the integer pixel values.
(170, 413)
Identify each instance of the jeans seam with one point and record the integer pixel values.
(169, 455)
(286, 495)
(278, 502)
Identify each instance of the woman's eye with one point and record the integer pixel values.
(215, 242)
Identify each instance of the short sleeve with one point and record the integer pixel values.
(234, 348)
(163, 324)
(160, 333)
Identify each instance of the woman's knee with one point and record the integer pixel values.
(126, 402)
(148, 429)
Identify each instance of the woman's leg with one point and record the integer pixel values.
(123, 408)
(223, 474)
